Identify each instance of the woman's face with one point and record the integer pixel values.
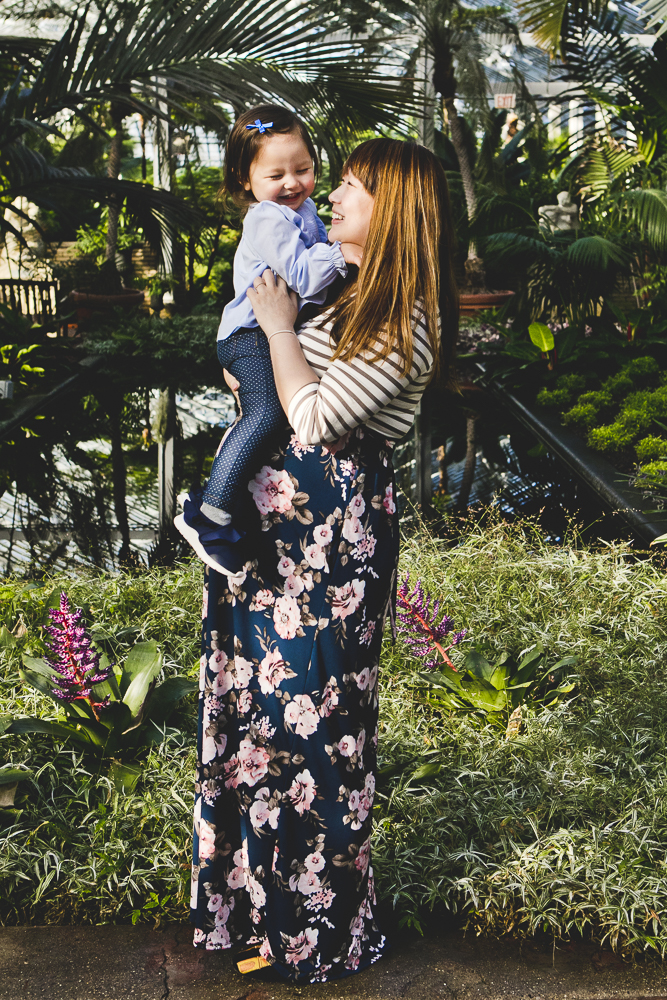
(352, 210)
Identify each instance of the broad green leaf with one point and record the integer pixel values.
(124, 776)
(143, 664)
(5, 722)
(541, 336)
(425, 771)
(60, 730)
(499, 677)
(109, 686)
(487, 699)
(478, 665)
(164, 698)
(40, 680)
(444, 677)
(7, 640)
(8, 775)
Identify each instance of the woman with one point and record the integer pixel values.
(288, 726)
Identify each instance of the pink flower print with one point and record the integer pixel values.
(363, 679)
(308, 581)
(302, 714)
(243, 671)
(293, 586)
(265, 949)
(347, 598)
(206, 841)
(248, 766)
(261, 813)
(204, 604)
(329, 698)
(271, 671)
(372, 682)
(388, 502)
(217, 660)
(257, 894)
(315, 556)
(221, 916)
(300, 947)
(357, 505)
(254, 762)
(321, 900)
(244, 703)
(286, 617)
(286, 566)
(323, 535)
(363, 857)
(272, 490)
(337, 445)
(306, 883)
(347, 746)
(263, 599)
(302, 791)
(202, 671)
(361, 740)
(315, 862)
(215, 902)
(299, 449)
(212, 746)
(237, 876)
(367, 635)
(218, 938)
(366, 547)
(353, 529)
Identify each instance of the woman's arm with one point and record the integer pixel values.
(276, 309)
(349, 393)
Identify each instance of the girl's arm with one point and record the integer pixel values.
(277, 240)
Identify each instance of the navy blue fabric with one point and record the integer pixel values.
(288, 714)
(247, 356)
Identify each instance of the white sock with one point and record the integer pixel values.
(215, 514)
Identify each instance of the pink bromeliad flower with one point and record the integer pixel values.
(418, 622)
(72, 658)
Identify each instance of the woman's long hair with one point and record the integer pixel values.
(407, 258)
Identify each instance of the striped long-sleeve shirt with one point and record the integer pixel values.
(354, 392)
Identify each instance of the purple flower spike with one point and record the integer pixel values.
(419, 624)
(72, 657)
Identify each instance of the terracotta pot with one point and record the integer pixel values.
(471, 303)
(86, 303)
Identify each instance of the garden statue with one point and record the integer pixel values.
(564, 215)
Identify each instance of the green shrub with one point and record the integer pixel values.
(567, 386)
(618, 385)
(583, 415)
(650, 448)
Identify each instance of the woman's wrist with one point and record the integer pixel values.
(277, 332)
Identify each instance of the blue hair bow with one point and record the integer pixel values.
(262, 126)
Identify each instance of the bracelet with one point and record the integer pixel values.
(275, 334)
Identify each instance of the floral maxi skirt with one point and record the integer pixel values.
(288, 715)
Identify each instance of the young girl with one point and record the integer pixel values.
(270, 168)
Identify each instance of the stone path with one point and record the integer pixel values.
(135, 963)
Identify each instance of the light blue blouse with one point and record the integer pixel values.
(294, 245)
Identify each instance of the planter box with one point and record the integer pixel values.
(610, 485)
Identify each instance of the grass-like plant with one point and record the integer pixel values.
(559, 830)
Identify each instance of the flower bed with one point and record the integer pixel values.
(559, 828)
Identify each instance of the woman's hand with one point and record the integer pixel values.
(352, 252)
(233, 384)
(274, 305)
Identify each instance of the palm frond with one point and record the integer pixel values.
(606, 166)
(657, 11)
(595, 252)
(647, 209)
(544, 19)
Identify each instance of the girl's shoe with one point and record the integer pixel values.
(251, 962)
(216, 544)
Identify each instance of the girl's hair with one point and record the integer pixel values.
(244, 144)
(407, 258)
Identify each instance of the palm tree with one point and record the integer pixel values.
(171, 54)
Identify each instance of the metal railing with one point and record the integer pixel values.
(35, 299)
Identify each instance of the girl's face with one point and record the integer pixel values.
(352, 210)
(282, 171)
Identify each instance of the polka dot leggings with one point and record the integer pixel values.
(247, 356)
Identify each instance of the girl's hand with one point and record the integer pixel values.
(274, 305)
(352, 252)
(233, 384)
